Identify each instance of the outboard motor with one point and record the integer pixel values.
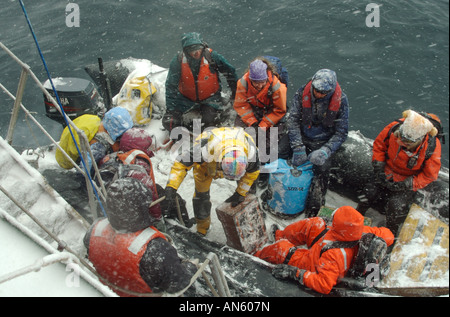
(78, 96)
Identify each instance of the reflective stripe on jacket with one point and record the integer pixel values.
(116, 256)
(272, 98)
(386, 149)
(323, 271)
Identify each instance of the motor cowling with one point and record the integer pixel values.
(78, 96)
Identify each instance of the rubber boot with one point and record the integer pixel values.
(202, 211)
(203, 225)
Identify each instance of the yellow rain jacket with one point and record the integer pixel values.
(206, 156)
(90, 125)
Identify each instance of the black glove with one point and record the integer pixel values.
(288, 272)
(405, 185)
(171, 195)
(172, 209)
(299, 156)
(235, 199)
(378, 171)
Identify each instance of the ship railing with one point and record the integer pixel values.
(84, 143)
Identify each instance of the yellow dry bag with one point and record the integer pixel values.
(136, 97)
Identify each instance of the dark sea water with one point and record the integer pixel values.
(402, 64)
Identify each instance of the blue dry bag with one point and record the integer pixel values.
(288, 187)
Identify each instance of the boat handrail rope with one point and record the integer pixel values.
(64, 116)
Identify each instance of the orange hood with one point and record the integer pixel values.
(347, 225)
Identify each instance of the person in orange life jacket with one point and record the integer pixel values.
(261, 99)
(317, 126)
(128, 251)
(135, 148)
(309, 266)
(401, 166)
(193, 87)
(115, 122)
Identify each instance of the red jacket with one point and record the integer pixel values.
(247, 97)
(386, 149)
(202, 87)
(116, 256)
(322, 271)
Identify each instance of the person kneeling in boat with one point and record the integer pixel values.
(193, 87)
(103, 136)
(406, 157)
(133, 160)
(309, 266)
(317, 126)
(216, 153)
(128, 251)
(261, 100)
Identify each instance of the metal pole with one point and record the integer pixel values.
(92, 200)
(17, 102)
(219, 278)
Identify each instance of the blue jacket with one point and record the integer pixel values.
(317, 135)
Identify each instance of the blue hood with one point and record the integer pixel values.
(117, 121)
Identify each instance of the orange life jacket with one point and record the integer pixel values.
(272, 99)
(333, 107)
(202, 87)
(116, 256)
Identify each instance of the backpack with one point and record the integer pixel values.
(371, 250)
(114, 169)
(434, 119)
(121, 164)
(282, 72)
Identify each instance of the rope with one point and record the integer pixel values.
(63, 246)
(59, 103)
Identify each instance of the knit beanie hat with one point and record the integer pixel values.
(324, 80)
(258, 70)
(415, 126)
(234, 165)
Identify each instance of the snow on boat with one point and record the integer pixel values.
(245, 275)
